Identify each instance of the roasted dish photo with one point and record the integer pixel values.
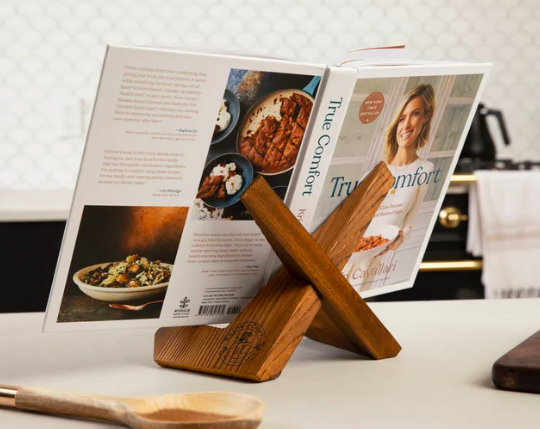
(224, 117)
(131, 279)
(370, 242)
(123, 255)
(227, 117)
(377, 240)
(272, 116)
(272, 131)
(224, 179)
(134, 271)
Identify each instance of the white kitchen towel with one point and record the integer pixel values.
(474, 228)
(509, 203)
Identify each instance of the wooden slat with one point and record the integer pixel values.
(339, 236)
(272, 324)
(259, 342)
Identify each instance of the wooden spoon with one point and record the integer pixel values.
(208, 410)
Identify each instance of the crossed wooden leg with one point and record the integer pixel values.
(308, 294)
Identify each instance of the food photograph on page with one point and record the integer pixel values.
(259, 130)
(414, 125)
(122, 263)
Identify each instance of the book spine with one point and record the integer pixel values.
(335, 90)
(324, 132)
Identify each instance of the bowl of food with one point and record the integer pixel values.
(133, 279)
(271, 133)
(224, 179)
(227, 118)
(376, 242)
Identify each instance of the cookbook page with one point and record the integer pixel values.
(414, 119)
(157, 235)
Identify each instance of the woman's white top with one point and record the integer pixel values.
(404, 199)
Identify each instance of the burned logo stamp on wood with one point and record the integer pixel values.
(243, 343)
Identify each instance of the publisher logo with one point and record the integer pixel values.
(243, 343)
(183, 309)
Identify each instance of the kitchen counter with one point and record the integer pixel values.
(35, 206)
(441, 379)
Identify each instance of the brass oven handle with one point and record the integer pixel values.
(461, 265)
(451, 217)
(463, 179)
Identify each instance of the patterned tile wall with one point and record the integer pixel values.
(51, 53)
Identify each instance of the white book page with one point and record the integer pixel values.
(148, 224)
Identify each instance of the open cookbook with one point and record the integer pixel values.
(157, 234)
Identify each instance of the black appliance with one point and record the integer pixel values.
(479, 144)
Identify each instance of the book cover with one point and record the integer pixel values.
(156, 220)
(415, 119)
(157, 234)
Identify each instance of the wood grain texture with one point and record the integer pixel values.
(68, 403)
(259, 342)
(339, 236)
(519, 369)
(359, 207)
(207, 410)
(256, 345)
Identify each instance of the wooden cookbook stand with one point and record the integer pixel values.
(308, 296)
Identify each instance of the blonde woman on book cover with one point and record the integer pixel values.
(408, 132)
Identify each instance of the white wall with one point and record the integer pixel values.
(51, 53)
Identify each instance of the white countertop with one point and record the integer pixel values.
(441, 379)
(34, 205)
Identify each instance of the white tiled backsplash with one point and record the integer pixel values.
(52, 51)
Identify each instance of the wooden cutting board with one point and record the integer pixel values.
(519, 369)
